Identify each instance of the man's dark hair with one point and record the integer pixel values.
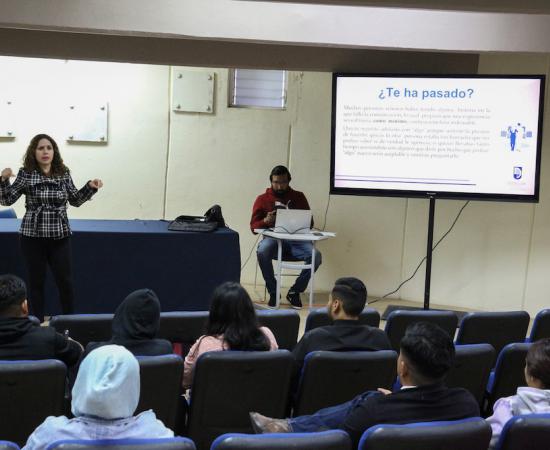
(429, 350)
(538, 361)
(278, 171)
(353, 294)
(12, 293)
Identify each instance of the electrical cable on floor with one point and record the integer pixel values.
(424, 259)
(251, 251)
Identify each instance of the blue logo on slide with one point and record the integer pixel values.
(518, 170)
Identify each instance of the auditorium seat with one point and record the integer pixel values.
(319, 318)
(182, 327)
(323, 440)
(160, 380)
(541, 326)
(466, 434)
(7, 445)
(399, 320)
(331, 378)
(30, 391)
(284, 323)
(8, 213)
(508, 374)
(175, 443)
(228, 385)
(472, 368)
(528, 432)
(84, 328)
(495, 328)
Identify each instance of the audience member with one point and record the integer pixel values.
(427, 354)
(104, 399)
(136, 325)
(232, 325)
(533, 399)
(22, 339)
(346, 302)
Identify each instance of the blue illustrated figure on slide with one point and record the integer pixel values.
(512, 132)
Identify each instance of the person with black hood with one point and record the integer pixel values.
(22, 339)
(136, 324)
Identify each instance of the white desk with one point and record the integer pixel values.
(309, 237)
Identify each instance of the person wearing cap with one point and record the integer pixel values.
(281, 195)
(104, 399)
(23, 339)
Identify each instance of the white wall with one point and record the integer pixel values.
(496, 258)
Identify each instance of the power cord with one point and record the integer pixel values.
(251, 251)
(423, 259)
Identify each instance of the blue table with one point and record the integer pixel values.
(111, 258)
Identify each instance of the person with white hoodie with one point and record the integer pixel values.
(533, 399)
(105, 397)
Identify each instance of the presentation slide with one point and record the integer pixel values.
(432, 134)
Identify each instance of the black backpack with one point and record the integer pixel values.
(211, 220)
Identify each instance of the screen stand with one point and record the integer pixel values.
(429, 251)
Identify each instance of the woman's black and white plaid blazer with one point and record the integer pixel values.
(46, 202)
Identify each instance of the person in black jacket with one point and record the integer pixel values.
(22, 339)
(136, 325)
(346, 302)
(427, 354)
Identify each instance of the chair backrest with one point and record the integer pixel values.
(528, 432)
(472, 368)
(30, 392)
(182, 327)
(228, 385)
(331, 378)
(399, 320)
(495, 328)
(160, 379)
(175, 443)
(322, 440)
(284, 323)
(84, 328)
(470, 434)
(7, 445)
(319, 318)
(8, 213)
(509, 372)
(541, 326)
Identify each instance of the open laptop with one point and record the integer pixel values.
(293, 221)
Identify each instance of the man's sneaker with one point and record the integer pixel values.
(294, 299)
(272, 303)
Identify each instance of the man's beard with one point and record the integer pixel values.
(279, 192)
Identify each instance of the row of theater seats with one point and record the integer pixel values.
(184, 327)
(521, 432)
(227, 385)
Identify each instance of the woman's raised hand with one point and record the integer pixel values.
(95, 183)
(7, 173)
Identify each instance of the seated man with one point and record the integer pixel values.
(20, 338)
(346, 302)
(427, 354)
(281, 195)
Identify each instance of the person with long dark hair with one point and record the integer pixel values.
(232, 325)
(45, 232)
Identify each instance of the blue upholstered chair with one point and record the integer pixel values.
(8, 214)
(331, 378)
(527, 432)
(399, 320)
(176, 443)
(323, 440)
(495, 328)
(541, 326)
(8, 445)
(319, 318)
(466, 434)
(84, 328)
(284, 323)
(30, 392)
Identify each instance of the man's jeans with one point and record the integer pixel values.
(299, 250)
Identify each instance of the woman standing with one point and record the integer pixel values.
(45, 232)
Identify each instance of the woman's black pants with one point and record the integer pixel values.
(38, 253)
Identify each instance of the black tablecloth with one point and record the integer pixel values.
(111, 258)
